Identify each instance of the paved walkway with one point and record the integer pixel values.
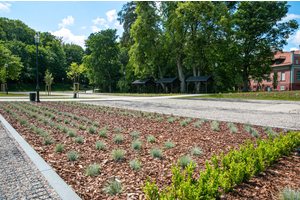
(283, 114)
(18, 177)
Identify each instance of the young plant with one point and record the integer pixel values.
(151, 139)
(22, 120)
(47, 140)
(233, 129)
(196, 151)
(72, 133)
(96, 124)
(114, 187)
(83, 119)
(59, 148)
(169, 144)
(57, 127)
(65, 129)
(214, 125)
(75, 117)
(134, 134)
(137, 145)
(78, 139)
(92, 129)
(118, 154)
(51, 123)
(73, 155)
(156, 153)
(44, 134)
(59, 119)
(184, 161)
(67, 121)
(100, 145)
(118, 129)
(289, 194)
(73, 123)
(135, 164)
(118, 138)
(89, 121)
(103, 133)
(247, 127)
(81, 127)
(94, 169)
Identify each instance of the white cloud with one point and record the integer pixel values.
(95, 29)
(119, 26)
(294, 49)
(111, 15)
(4, 7)
(66, 22)
(289, 17)
(295, 39)
(69, 37)
(106, 26)
(100, 21)
(83, 27)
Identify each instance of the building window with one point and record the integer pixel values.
(282, 76)
(282, 87)
(277, 62)
(298, 76)
(296, 61)
(269, 79)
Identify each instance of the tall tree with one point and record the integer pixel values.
(103, 60)
(258, 31)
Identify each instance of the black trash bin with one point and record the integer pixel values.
(32, 96)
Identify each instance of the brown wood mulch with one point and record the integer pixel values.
(286, 172)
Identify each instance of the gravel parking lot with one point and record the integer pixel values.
(283, 114)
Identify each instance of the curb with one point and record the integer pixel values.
(58, 184)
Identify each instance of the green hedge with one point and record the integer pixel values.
(226, 171)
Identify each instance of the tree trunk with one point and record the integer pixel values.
(245, 79)
(181, 75)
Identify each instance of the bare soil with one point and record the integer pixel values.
(265, 186)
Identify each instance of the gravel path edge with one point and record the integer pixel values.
(58, 184)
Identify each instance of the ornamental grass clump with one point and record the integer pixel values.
(169, 145)
(247, 127)
(114, 187)
(134, 134)
(83, 119)
(78, 139)
(151, 139)
(100, 145)
(75, 117)
(118, 138)
(57, 127)
(59, 148)
(92, 129)
(214, 125)
(170, 121)
(22, 120)
(44, 134)
(73, 123)
(135, 164)
(137, 144)
(197, 151)
(89, 121)
(103, 133)
(198, 123)
(184, 161)
(156, 153)
(118, 154)
(67, 121)
(233, 129)
(65, 129)
(73, 155)
(38, 130)
(47, 140)
(289, 194)
(51, 123)
(81, 127)
(72, 133)
(59, 119)
(94, 169)
(96, 124)
(118, 129)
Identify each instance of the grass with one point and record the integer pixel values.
(81, 127)
(92, 129)
(78, 139)
(103, 133)
(94, 169)
(59, 147)
(114, 187)
(233, 129)
(73, 155)
(197, 151)
(289, 194)
(156, 153)
(96, 124)
(57, 127)
(65, 129)
(169, 145)
(134, 134)
(118, 138)
(118, 129)
(137, 144)
(72, 133)
(44, 134)
(135, 164)
(150, 139)
(75, 117)
(67, 121)
(215, 125)
(118, 154)
(47, 140)
(100, 145)
(184, 161)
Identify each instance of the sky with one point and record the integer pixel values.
(76, 20)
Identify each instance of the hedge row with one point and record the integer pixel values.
(226, 171)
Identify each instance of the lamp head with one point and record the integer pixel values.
(6, 65)
(216, 64)
(37, 38)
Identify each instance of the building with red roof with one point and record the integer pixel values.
(287, 67)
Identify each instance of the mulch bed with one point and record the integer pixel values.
(264, 186)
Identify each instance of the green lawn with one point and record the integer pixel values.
(12, 95)
(274, 95)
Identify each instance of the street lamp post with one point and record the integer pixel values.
(62, 79)
(37, 41)
(84, 83)
(6, 89)
(216, 66)
(124, 81)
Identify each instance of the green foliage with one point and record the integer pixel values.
(137, 144)
(96, 124)
(169, 145)
(114, 187)
(226, 171)
(92, 129)
(118, 129)
(73, 155)
(185, 161)
(134, 134)
(67, 121)
(22, 120)
(47, 140)
(65, 129)
(100, 145)
(94, 169)
(118, 138)
(197, 151)
(215, 125)
(103, 133)
(289, 194)
(83, 119)
(156, 153)
(135, 164)
(89, 121)
(78, 139)
(72, 133)
(59, 147)
(81, 127)
(48, 78)
(57, 127)
(151, 139)
(118, 154)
